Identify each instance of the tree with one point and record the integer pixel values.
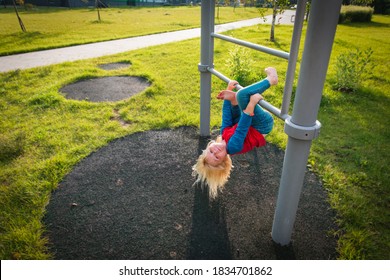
(19, 19)
(97, 4)
(278, 7)
(97, 8)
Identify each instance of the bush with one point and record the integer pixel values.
(355, 14)
(350, 68)
(240, 65)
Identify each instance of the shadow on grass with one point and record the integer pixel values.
(366, 24)
(23, 39)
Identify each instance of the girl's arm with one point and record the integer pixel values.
(236, 142)
(227, 115)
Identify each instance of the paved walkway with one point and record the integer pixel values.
(54, 56)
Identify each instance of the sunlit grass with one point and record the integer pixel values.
(57, 27)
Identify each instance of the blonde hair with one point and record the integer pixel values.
(214, 176)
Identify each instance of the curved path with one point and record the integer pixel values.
(54, 56)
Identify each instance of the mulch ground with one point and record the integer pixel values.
(105, 89)
(135, 199)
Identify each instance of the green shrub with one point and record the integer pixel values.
(239, 64)
(355, 14)
(350, 67)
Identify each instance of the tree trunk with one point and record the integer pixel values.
(274, 13)
(97, 8)
(19, 19)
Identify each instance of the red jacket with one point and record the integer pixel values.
(253, 138)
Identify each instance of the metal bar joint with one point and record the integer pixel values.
(301, 132)
(203, 68)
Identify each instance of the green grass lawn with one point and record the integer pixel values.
(57, 27)
(43, 135)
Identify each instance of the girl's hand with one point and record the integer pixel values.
(255, 98)
(250, 108)
(232, 85)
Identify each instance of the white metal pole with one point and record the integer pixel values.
(303, 126)
(293, 55)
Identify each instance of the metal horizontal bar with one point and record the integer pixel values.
(268, 106)
(257, 47)
(221, 76)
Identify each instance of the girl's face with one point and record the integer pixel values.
(216, 153)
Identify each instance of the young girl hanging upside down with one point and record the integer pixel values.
(244, 125)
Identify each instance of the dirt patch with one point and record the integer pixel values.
(135, 199)
(114, 66)
(105, 89)
(116, 116)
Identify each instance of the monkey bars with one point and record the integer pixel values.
(302, 126)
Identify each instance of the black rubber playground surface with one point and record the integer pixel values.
(135, 199)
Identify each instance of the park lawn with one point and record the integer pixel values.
(352, 153)
(43, 135)
(49, 27)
